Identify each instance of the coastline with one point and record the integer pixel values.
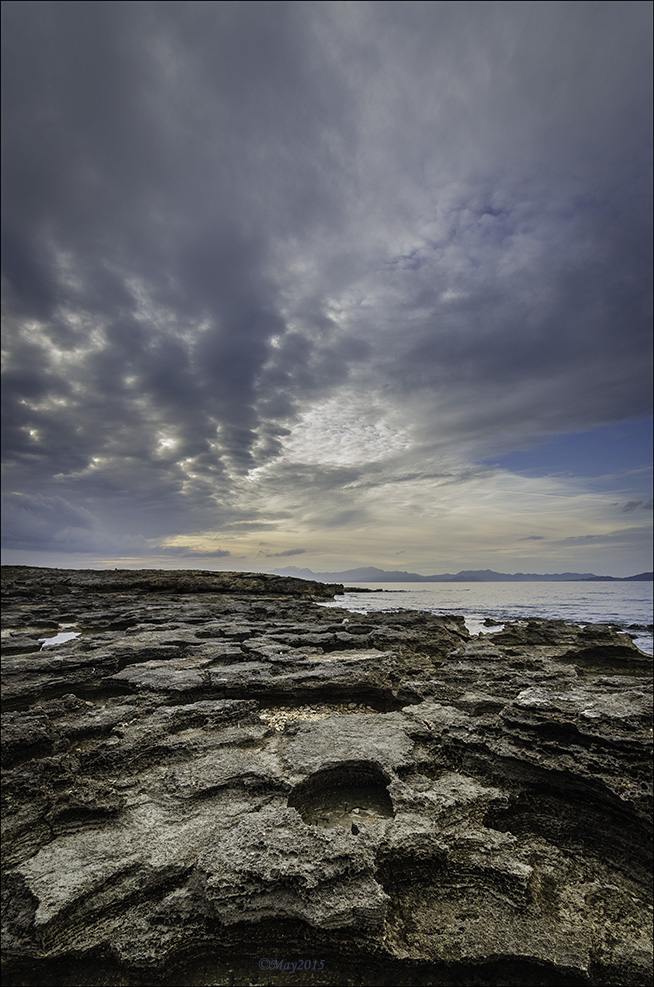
(625, 606)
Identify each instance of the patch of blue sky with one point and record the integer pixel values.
(606, 451)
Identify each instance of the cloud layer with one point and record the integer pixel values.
(293, 271)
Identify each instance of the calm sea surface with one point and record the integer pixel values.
(622, 604)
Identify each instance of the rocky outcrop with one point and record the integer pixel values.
(216, 785)
(25, 581)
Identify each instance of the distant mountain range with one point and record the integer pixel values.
(370, 574)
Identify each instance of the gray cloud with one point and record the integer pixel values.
(51, 524)
(637, 505)
(284, 555)
(217, 216)
(643, 534)
(38, 520)
(184, 552)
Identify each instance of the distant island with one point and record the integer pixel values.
(371, 574)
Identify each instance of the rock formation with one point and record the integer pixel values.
(219, 781)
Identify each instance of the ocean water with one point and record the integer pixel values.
(621, 604)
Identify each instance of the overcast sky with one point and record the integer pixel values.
(328, 284)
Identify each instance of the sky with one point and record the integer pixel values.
(327, 284)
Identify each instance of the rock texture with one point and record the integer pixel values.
(219, 781)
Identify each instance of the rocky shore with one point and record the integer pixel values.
(219, 781)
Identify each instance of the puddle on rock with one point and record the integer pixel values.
(477, 625)
(60, 638)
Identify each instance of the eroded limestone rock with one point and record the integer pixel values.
(211, 774)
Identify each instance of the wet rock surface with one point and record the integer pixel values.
(219, 780)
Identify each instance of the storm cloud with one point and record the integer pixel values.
(262, 261)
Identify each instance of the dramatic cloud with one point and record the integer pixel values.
(307, 272)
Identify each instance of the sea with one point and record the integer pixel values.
(625, 605)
